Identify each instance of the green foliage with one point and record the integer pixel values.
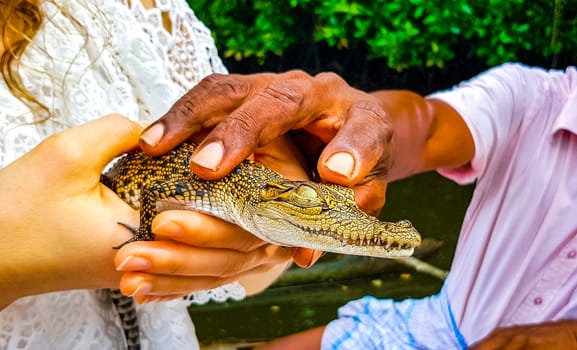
(406, 33)
(247, 28)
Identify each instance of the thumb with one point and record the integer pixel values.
(353, 153)
(104, 139)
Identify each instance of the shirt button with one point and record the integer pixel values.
(572, 254)
(538, 301)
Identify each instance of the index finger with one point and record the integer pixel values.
(202, 230)
(201, 108)
(268, 114)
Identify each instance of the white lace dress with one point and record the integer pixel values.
(121, 60)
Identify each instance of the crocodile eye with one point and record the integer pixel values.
(307, 192)
(405, 223)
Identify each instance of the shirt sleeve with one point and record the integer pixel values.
(492, 105)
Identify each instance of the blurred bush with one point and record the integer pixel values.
(402, 33)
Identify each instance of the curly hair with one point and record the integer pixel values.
(20, 20)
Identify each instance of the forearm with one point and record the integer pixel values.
(427, 134)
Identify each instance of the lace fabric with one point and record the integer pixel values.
(121, 60)
(233, 291)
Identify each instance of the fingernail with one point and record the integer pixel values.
(133, 263)
(153, 134)
(341, 163)
(143, 288)
(209, 156)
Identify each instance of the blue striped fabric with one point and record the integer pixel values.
(385, 324)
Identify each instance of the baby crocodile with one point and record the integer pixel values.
(289, 213)
(260, 200)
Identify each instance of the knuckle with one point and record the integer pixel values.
(230, 87)
(296, 74)
(225, 84)
(125, 126)
(330, 78)
(184, 109)
(175, 267)
(62, 148)
(244, 124)
(211, 80)
(249, 245)
(288, 95)
(376, 117)
(233, 268)
(371, 109)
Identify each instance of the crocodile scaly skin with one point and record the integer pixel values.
(289, 213)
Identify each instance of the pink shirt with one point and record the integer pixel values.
(516, 259)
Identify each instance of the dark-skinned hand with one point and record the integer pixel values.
(343, 131)
(231, 116)
(550, 335)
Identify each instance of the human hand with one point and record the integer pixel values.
(58, 222)
(239, 113)
(549, 335)
(193, 251)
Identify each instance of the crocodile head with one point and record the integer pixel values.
(326, 217)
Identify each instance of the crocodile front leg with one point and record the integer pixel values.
(159, 196)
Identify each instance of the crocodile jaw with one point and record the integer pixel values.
(274, 229)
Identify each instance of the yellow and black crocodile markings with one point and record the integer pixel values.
(251, 190)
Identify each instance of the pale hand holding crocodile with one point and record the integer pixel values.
(288, 213)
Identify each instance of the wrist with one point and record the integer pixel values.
(411, 120)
